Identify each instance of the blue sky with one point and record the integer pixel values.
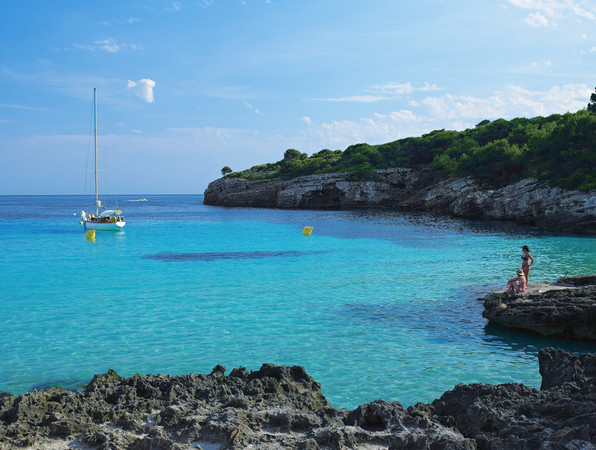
(186, 87)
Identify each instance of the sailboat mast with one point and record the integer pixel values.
(95, 144)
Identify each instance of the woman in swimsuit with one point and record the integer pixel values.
(517, 284)
(527, 262)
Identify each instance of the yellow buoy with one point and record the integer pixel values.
(90, 235)
(307, 231)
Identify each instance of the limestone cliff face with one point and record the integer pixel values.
(527, 202)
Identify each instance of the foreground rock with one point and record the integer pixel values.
(527, 202)
(562, 415)
(567, 309)
(282, 407)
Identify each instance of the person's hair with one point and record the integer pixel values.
(525, 247)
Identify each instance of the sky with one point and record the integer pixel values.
(186, 87)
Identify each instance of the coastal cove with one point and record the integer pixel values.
(375, 304)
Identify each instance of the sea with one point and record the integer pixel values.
(373, 304)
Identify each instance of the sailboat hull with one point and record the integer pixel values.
(104, 226)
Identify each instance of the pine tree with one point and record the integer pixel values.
(592, 104)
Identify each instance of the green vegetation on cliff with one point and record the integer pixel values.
(559, 149)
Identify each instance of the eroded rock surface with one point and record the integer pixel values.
(562, 415)
(282, 407)
(566, 312)
(278, 407)
(528, 202)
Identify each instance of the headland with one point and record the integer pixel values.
(527, 202)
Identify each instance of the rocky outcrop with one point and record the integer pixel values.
(282, 407)
(528, 202)
(552, 311)
(513, 416)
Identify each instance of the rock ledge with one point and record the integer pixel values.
(566, 309)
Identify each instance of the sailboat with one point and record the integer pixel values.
(108, 219)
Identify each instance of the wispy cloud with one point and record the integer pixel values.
(109, 45)
(252, 108)
(127, 20)
(175, 6)
(536, 20)
(545, 11)
(28, 108)
(381, 92)
(143, 89)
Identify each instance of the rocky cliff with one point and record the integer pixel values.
(282, 407)
(528, 202)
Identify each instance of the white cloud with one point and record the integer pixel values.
(121, 21)
(380, 92)
(537, 20)
(252, 108)
(514, 101)
(544, 9)
(176, 5)
(397, 89)
(143, 89)
(377, 129)
(109, 45)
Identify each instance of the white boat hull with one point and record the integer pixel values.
(104, 226)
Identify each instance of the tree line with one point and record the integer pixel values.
(558, 149)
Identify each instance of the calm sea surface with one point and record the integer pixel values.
(373, 304)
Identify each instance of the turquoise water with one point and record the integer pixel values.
(373, 304)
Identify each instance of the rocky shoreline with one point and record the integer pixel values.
(282, 407)
(527, 202)
(565, 309)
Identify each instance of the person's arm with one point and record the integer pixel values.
(531, 259)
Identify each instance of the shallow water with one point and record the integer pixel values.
(374, 304)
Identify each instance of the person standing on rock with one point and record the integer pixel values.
(527, 262)
(517, 284)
